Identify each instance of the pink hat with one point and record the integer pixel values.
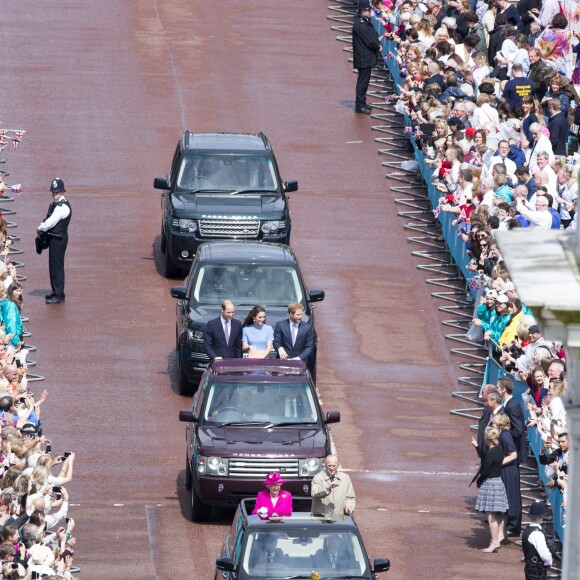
(274, 479)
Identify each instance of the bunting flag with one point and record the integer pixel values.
(16, 188)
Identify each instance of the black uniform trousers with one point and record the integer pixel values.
(535, 575)
(56, 251)
(362, 85)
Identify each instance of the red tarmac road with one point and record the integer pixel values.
(104, 90)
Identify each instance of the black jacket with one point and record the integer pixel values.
(537, 73)
(523, 7)
(496, 39)
(365, 43)
(214, 339)
(558, 127)
(518, 428)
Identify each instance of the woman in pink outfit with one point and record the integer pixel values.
(274, 501)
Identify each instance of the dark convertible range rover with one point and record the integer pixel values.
(246, 273)
(221, 186)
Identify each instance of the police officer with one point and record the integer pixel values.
(366, 49)
(55, 227)
(537, 556)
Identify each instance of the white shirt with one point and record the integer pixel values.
(537, 219)
(60, 212)
(510, 166)
(538, 540)
(543, 144)
(549, 9)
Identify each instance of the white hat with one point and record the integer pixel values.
(507, 287)
(492, 293)
(502, 299)
(41, 555)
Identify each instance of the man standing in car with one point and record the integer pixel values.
(293, 338)
(55, 227)
(223, 335)
(366, 49)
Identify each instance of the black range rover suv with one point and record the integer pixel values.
(250, 274)
(221, 186)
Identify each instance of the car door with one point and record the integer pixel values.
(166, 195)
(197, 407)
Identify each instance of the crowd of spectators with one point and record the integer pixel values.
(37, 538)
(489, 89)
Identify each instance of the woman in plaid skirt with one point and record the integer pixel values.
(492, 497)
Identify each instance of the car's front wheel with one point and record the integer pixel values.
(199, 512)
(187, 471)
(186, 387)
(170, 270)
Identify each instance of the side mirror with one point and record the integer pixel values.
(316, 296)
(187, 416)
(381, 565)
(178, 292)
(332, 417)
(225, 564)
(290, 186)
(161, 183)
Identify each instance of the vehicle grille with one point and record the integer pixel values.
(258, 468)
(229, 228)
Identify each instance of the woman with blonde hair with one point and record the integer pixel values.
(484, 113)
(492, 498)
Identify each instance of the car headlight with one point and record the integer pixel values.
(309, 467)
(212, 466)
(188, 225)
(195, 335)
(272, 226)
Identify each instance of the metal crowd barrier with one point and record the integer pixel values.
(457, 248)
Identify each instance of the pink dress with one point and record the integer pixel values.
(283, 505)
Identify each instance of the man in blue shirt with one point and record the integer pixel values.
(518, 87)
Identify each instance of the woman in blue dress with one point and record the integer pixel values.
(257, 337)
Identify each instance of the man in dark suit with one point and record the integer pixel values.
(558, 126)
(268, 556)
(514, 411)
(524, 178)
(333, 556)
(486, 419)
(223, 335)
(294, 339)
(366, 49)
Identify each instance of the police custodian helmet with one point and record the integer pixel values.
(57, 185)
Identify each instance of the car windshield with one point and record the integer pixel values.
(227, 172)
(297, 552)
(259, 402)
(247, 285)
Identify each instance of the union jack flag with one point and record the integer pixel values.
(408, 130)
(16, 188)
(390, 56)
(436, 212)
(462, 217)
(475, 283)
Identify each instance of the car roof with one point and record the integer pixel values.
(243, 252)
(227, 142)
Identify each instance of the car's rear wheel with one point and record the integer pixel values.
(199, 512)
(187, 471)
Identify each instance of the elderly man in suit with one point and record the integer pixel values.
(293, 338)
(223, 335)
(514, 411)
